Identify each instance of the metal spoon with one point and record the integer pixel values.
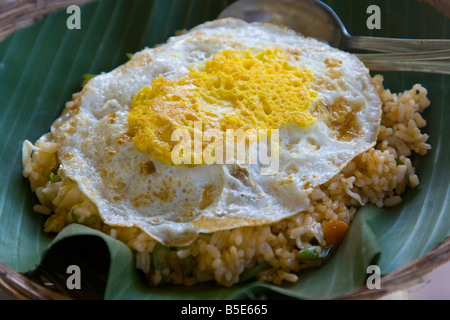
(315, 19)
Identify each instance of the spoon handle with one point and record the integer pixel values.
(429, 61)
(395, 44)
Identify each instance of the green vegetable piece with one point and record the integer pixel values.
(314, 253)
(161, 255)
(91, 220)
(129, 55)
(253, 272)
(88, 76)
(54, 178)
(74, 216)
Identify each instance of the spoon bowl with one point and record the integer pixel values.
(308, 17)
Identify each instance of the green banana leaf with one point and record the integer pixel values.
(42, 65)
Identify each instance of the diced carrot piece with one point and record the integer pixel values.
(334, 231)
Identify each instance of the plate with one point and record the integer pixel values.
(43, 64)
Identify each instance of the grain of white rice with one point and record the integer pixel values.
(42, 210)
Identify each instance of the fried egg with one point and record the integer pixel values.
(116, 138)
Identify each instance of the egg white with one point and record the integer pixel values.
(171, 204)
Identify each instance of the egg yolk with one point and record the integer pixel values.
(235, 89)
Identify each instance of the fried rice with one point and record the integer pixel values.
(378, 176)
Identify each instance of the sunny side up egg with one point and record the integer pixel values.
(116, 142)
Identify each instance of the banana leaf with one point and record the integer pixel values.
(43, 64)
